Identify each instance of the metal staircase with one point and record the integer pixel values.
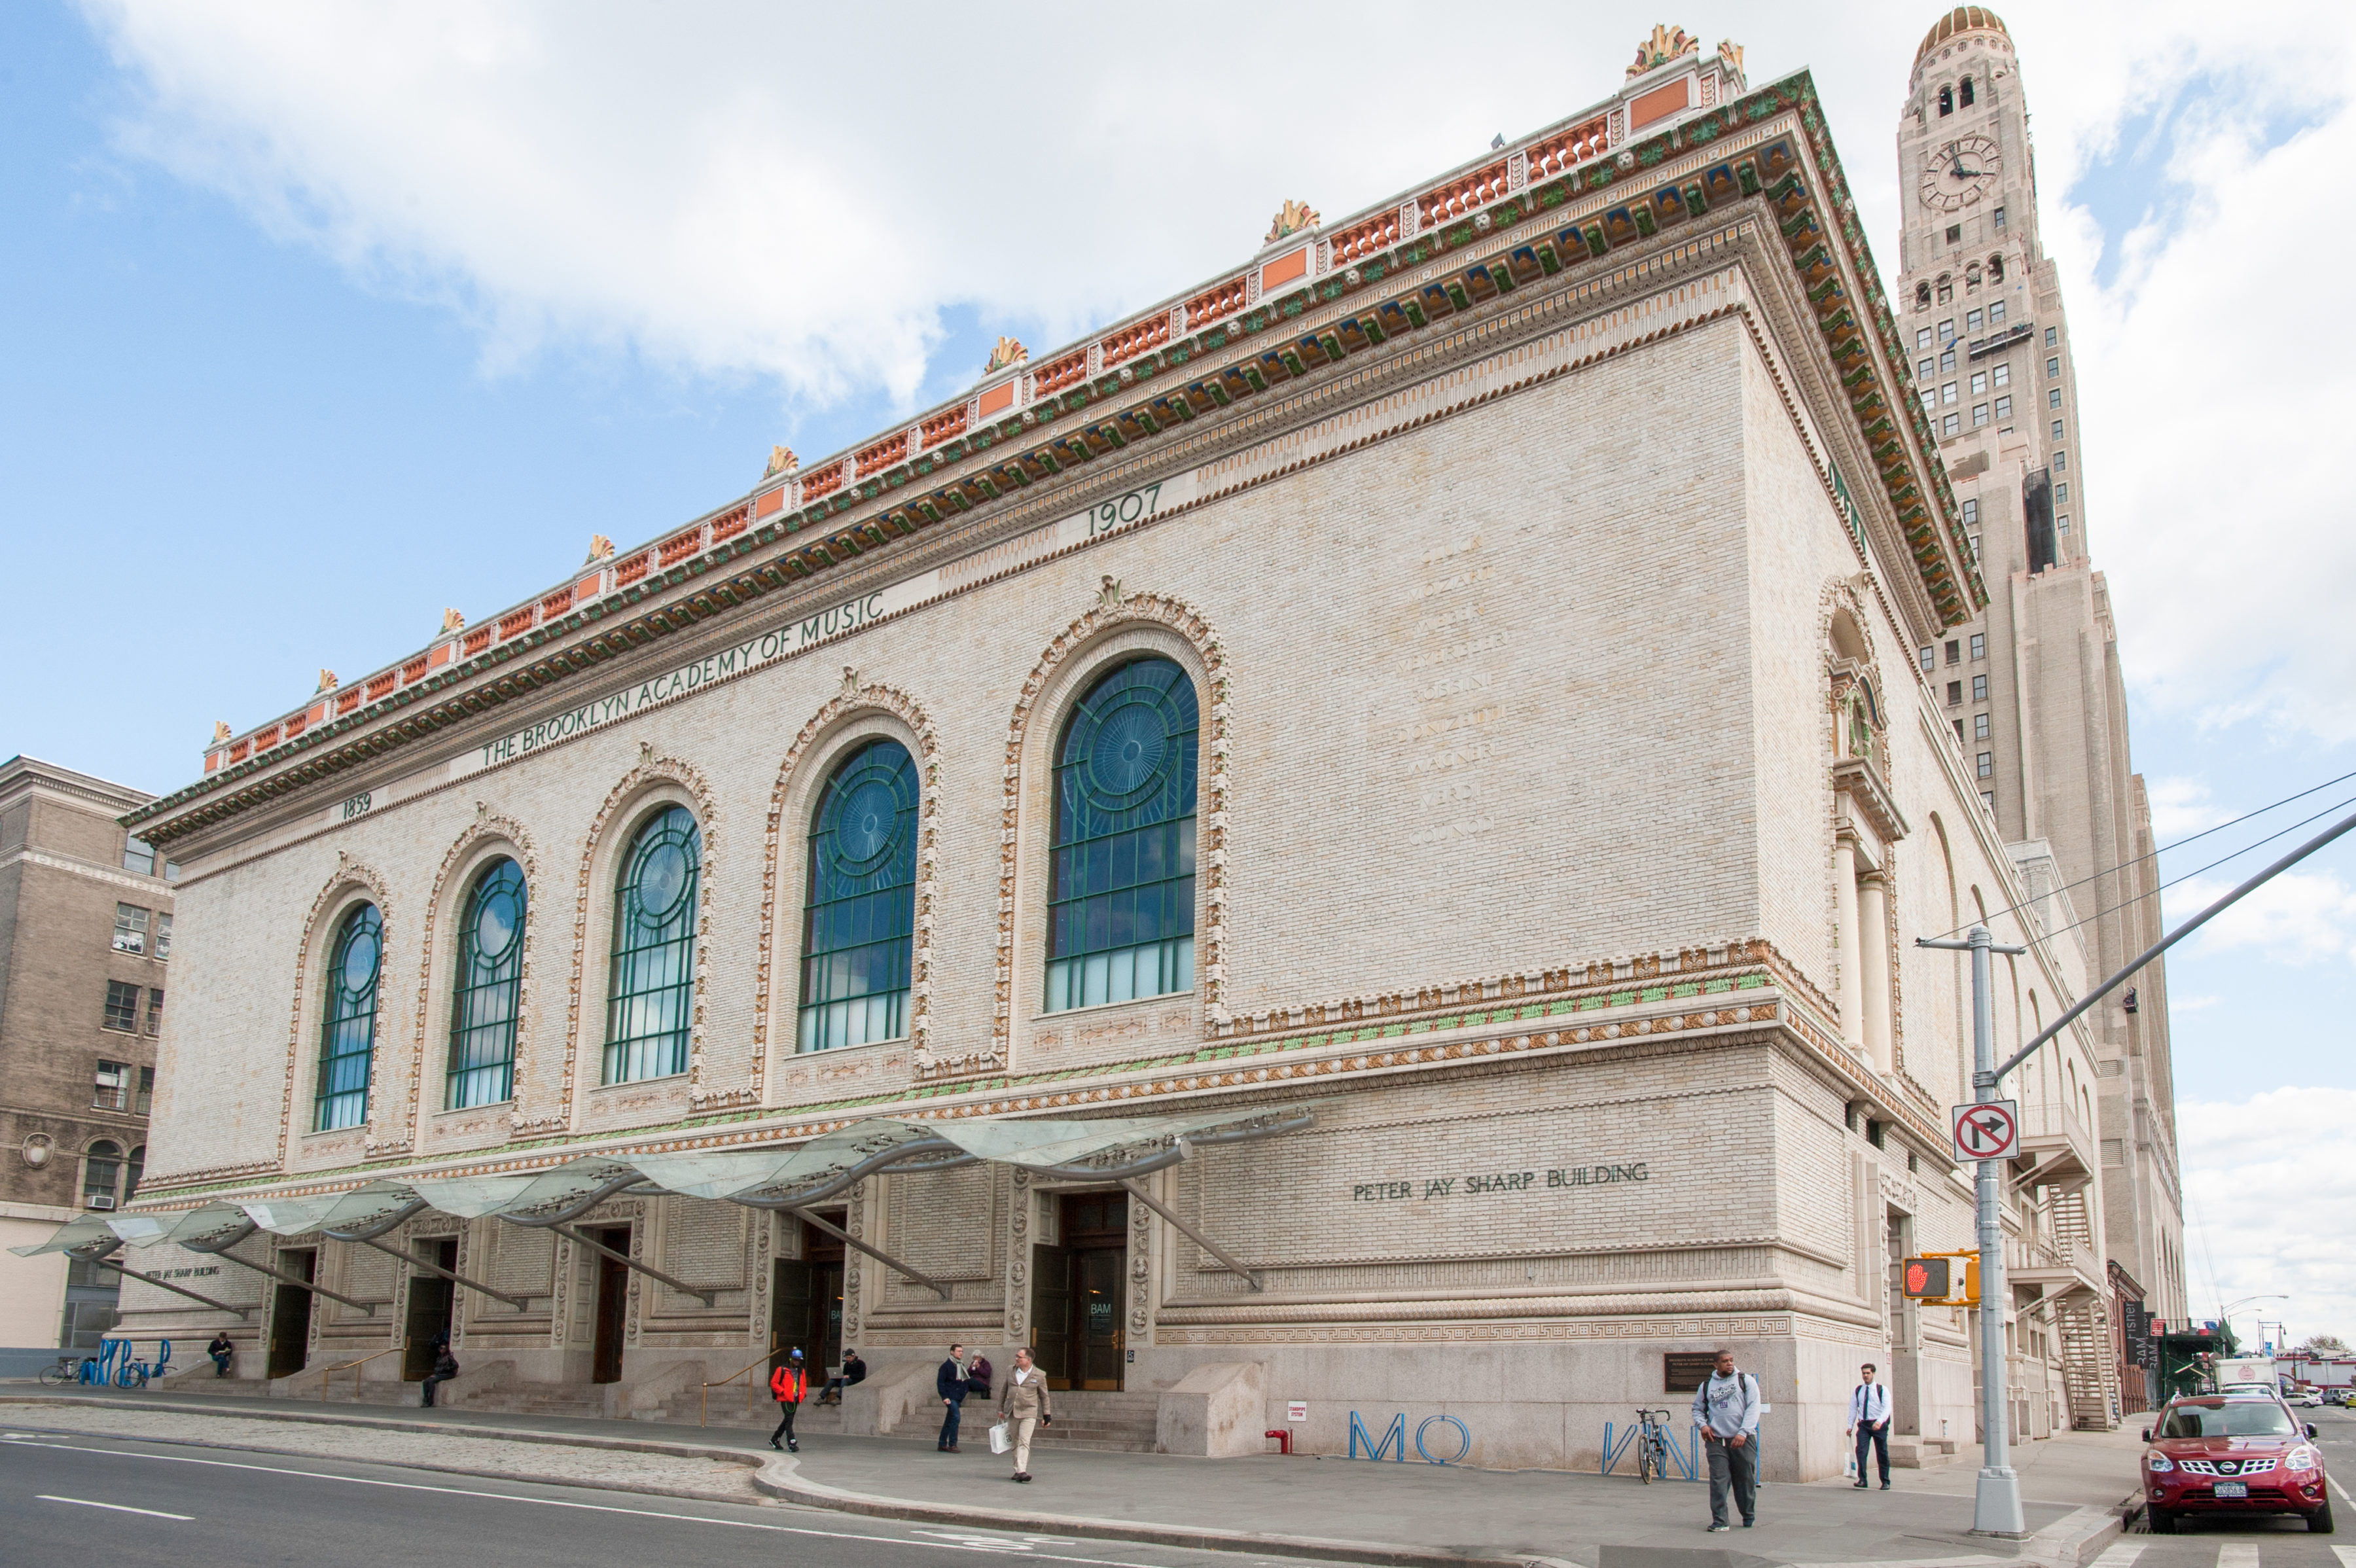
(2090, 1376)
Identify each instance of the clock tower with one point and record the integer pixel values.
(2031, 691)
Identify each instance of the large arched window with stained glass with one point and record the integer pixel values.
(347, 1031)
(650, 987)
(1121, 909)
(488, 993)
(860, 917)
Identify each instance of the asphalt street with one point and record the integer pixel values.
(71, 1499)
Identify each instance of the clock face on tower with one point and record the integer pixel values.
(1961, 173)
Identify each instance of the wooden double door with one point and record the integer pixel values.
(1075, 1293)
(430, 1301)
(290, 1316)
(806, 1307)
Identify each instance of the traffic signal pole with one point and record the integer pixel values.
(1996, 1506)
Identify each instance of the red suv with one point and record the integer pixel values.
(2233, 1453)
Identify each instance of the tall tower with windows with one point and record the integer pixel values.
(2032, 690)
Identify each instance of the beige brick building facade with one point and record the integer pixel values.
(1546, 554)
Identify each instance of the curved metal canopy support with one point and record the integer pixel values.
(376, 1227)
(580, 1206)
(366, 1236)
(709, 1297)
(886, 1258)
(219, 1246)
(845, 1179)
(100, 1256)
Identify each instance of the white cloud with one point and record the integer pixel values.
(797, 198)
(2297, 1148)
(2180, 806)
(2300, 916)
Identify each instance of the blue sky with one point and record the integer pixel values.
(274, 391)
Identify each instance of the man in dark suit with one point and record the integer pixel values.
(951, 1383)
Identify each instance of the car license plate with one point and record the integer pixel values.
(2233, 1488)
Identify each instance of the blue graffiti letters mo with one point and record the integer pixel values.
(1394, 1441)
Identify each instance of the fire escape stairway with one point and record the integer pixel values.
(2089, 1373)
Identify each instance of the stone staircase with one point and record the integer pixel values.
(1094, 1419)
(539, 1399)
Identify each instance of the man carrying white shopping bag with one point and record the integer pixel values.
(1021, 1404)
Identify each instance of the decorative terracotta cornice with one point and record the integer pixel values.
(1127, 389)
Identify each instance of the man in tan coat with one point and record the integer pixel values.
(1022, 1400)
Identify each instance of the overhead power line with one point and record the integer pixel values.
(2170, 848)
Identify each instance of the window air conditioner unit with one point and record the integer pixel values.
(101, 1200)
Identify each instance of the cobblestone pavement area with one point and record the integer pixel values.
(452, 1449)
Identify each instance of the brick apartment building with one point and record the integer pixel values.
(85, 944)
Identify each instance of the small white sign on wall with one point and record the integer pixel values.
(1297, 1411)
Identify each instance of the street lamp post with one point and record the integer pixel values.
(1996, 1507)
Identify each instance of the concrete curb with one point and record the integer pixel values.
(785, 1481)
(2068, 1542)
(758, 1464)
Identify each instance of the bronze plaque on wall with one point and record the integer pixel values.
(1683, 1372)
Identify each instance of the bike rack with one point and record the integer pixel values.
(1689, 1465)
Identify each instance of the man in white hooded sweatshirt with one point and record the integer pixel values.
(1726, 1408)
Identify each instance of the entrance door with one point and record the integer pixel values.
(821, 1338)
(290, 1316)
(429, 1309)
(1051, 1313)
(1095, 1231)
(806, 1307)
(1095, 1291)
(613, 1305)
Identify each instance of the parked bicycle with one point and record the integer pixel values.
(1651, 1445)
(66, 1370)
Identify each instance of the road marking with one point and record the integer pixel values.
(2237, 1555)
(2342, 1490)
(2119, 1556)
(118, 1508)
(2347, 1555)
(544, 1502)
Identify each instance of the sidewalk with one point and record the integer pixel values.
(1357, 1510)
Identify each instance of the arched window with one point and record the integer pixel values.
(1946, 288)
(1921, 296)
(1946, 101)
(102, 1165)
(859, 916)
(1965, 95)
(1122, 915)
(131, 1175)
(347, 1034)
(650, 989)
(488, 993)
(1996, 269)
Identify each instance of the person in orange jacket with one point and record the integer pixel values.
(789, 1382)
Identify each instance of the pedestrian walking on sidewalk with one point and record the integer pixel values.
(789, 1382)
(1868, 1422)
(1023, 1402)
(445, 1367)
(1726, 1408)
(949, 1383)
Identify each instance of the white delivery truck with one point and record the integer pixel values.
(2247, 1374)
